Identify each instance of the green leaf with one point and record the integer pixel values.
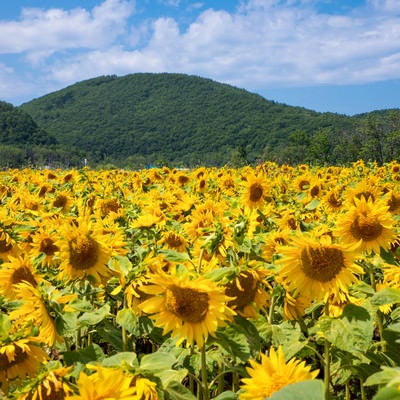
(92, 353)
(312, 205)
(352, 332)
(127, 319)
(81, 305)
(177, 391)
(386, 296)
(94, 317)
(383, 377)
(387, 393)
(227, 395)
(306, 390)
(157, 361)
(110, 334)
(121, 358)
(66, 323)
(5, 325)
(175, 256)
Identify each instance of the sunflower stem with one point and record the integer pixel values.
(271, 311)
(379, 316)
(327, 364)
(362, 389)
(204, 374)
(200, 260)
(347, 388)
(124, 334)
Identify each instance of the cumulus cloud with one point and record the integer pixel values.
(263, 43)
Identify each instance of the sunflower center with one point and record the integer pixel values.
(256, 192)
(60, 201)
(23, 274)
(366, 228)
(334, 201)
(19, 357)
(48, 247)
(244, 290)
(84, 253)
(173, 240)
(322, 263)
(190, 305)
(110, 205)
(393, 203)
(4, 246)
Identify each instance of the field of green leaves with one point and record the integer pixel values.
(268, 282)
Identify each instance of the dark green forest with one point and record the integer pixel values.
(146, 119)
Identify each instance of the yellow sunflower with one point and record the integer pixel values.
(16, 270)
(174, 240)
(50, 384)
(255, 191)
(367, 224)
(84, 252)
(34, 310)
(272, 374)
(316, 268)
(104, 383)
(18, 359)
(145, 388)
(42, 244)
(249, 291)
(190, 307)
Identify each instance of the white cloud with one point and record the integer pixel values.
(56, 29)
(265, 43)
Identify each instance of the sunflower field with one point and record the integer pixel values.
(268, 282)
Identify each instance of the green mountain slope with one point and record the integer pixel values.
(145, 118)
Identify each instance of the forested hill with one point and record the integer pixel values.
(145, 118)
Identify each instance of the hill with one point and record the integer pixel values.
(172, 118)
(19, 134)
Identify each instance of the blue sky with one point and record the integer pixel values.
(325, 55)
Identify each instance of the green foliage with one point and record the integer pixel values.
(144, 119)
(140, 119)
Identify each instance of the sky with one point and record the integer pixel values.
(340, 56)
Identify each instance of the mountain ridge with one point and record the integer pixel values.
(177, 119)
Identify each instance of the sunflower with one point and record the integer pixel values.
(34, 310)
(16, 270)
(84, 251)
(104, 383)
(42, 243)
(249, 292)
(316, 268)
(272, 374)
(190, 307)
(49, 384)
(255, 191)
(145, 388)
(367, 224)
(174, 240)
(367, 188)
(18, 359)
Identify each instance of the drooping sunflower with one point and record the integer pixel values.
(316, 268)
(367, 224)
(18, 359)
(145, 388)
(249, 291)
(174, 240)
(42, 244)
(272, 374)
(191, 307)
(49, 384)
(33, 310)
(104, 383)
(16, 270)
(84, 251)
